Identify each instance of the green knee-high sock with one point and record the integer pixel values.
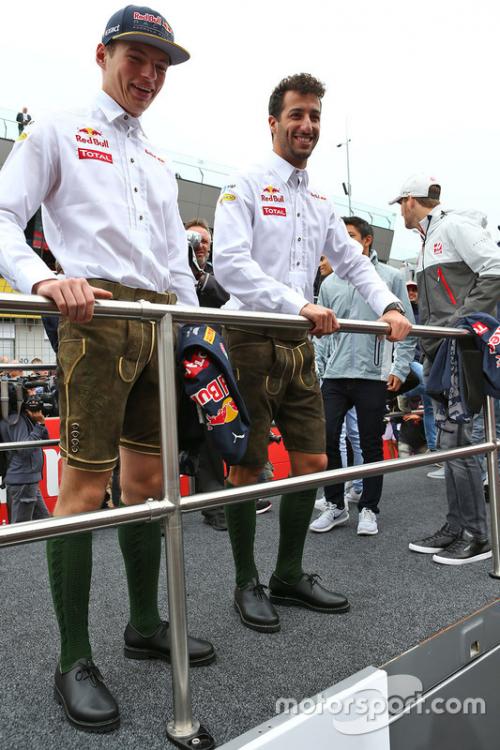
(295, 515)
(69, 561)
(240, 521)
(140, 544)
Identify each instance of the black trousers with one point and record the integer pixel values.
(368, 396)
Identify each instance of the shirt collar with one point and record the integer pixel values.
(113, 112)
(424, 223)
(285, 170)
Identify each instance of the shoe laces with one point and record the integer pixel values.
(313, 578)
(443, 530)
(89, 671)
(457, 545)
(259, 589)
(367, 514)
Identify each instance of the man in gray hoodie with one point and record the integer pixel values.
(458, 273)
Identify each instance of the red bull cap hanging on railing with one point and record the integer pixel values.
(209, 382)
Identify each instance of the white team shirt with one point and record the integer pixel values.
(270, 231)
(109, 204)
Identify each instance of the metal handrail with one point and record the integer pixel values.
(170, 508)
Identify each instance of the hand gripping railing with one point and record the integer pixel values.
(184, 730)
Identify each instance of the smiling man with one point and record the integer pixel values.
(271, 228)
(111, 220)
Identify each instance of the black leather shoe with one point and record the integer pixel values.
(307, 592)
(216, 518)
(255, 609)
(157, 646)
(86, 700)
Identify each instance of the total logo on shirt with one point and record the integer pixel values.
(274, 210)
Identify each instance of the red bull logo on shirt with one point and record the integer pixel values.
(89, 131)
(273, 194)
(91, 137)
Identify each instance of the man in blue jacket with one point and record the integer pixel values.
(358, 370)
(25, 466)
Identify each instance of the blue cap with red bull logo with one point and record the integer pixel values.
(209, 382)
(136, 23)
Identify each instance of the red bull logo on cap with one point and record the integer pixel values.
(216, 390)
(195, 365)
(227, 413)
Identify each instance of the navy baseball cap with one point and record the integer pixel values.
(136, 23)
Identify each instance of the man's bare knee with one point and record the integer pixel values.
(307, 463)
(81, 491)
(141, 476)
(239, 476)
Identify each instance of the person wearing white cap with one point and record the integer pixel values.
(112, 221)
(458, 273)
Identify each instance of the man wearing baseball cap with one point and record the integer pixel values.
(458, 273)
(112, 222)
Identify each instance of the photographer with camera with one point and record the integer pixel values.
(25, 466)
(210, 292)
(209, 475)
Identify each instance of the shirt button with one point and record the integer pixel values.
(132, 160)
(299, 239)
(125, 117)
(298, 262)
(141, 218)
(136, 190)
(298, 213)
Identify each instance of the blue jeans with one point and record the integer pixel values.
(419, 390)
(350, 428)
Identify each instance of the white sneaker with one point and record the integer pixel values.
(367, 524)
(321, 504)
(330, 517)
(351, 496)
(436, 474)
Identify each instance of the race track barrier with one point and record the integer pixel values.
(184, 730)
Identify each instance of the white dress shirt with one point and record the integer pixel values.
(270, 231)
(109, 204)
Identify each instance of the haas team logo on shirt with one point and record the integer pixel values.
(438, 248)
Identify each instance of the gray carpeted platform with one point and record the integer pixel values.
(397, 597)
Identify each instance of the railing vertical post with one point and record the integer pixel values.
(182, 725)
(493, 483)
